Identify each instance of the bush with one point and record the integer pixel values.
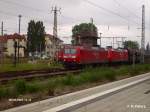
(124, 70)
(7, 92)
(77, 80)
(52, 85)
(110, 75)
(3, 92)
(89, 75)
(20, 86)
(32, 88)
(134, 71)
(68, 80)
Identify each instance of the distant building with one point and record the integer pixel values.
(7, 42)
(3, 44)
(52, 44)
(2, 49)
(86, 40)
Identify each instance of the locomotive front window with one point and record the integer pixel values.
(70, 51)
(73, 51)
(67, 51)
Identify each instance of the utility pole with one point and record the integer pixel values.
(55, 10)
(143, 34)
(2, 44)
(19, 22)
(19, 34)
(2, 29)
(100, 39)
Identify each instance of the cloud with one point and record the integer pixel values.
(66, 3)
(78, 11)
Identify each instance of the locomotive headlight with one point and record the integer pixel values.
(73, 57)
(65, 57)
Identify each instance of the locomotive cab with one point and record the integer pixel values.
(70, 56)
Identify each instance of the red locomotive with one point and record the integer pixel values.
(84, 55)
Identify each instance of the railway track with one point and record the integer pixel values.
(28, 75)
(35, 74)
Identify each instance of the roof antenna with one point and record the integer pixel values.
(91, 20)
(108, 27)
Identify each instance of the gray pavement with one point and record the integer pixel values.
(54, 102)
(133, 99)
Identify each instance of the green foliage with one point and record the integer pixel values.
(131, 44)
(73, 42)
(21, 86)
(32, 88)
(3, 92)
(68, 80)
(98, 74)
(138, 69)
(52, 84)
(84, 29)
(124, 70)
(110, 75)
(28, 66)
(36, 36)
(89, 75)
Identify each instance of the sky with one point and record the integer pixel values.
(113, 18)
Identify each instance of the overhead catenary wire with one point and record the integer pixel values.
(25, 16)
(21, 5)
(107, 10)
(128, 10)
(112, 12)
(52, 2)
(33, 9)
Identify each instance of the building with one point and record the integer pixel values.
(7, 42)
(2, 49)
(86, 38)
(52, 44)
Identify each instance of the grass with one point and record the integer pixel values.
(20, 86)
(88, 76)
(27, 66)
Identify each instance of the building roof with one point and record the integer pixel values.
(51, 37)
(13, 36)
(2, 39)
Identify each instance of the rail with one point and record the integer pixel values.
(35, 74)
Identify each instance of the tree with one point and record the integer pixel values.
(84, 29)
(73, 42)
(131, 44)
(35, 36)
